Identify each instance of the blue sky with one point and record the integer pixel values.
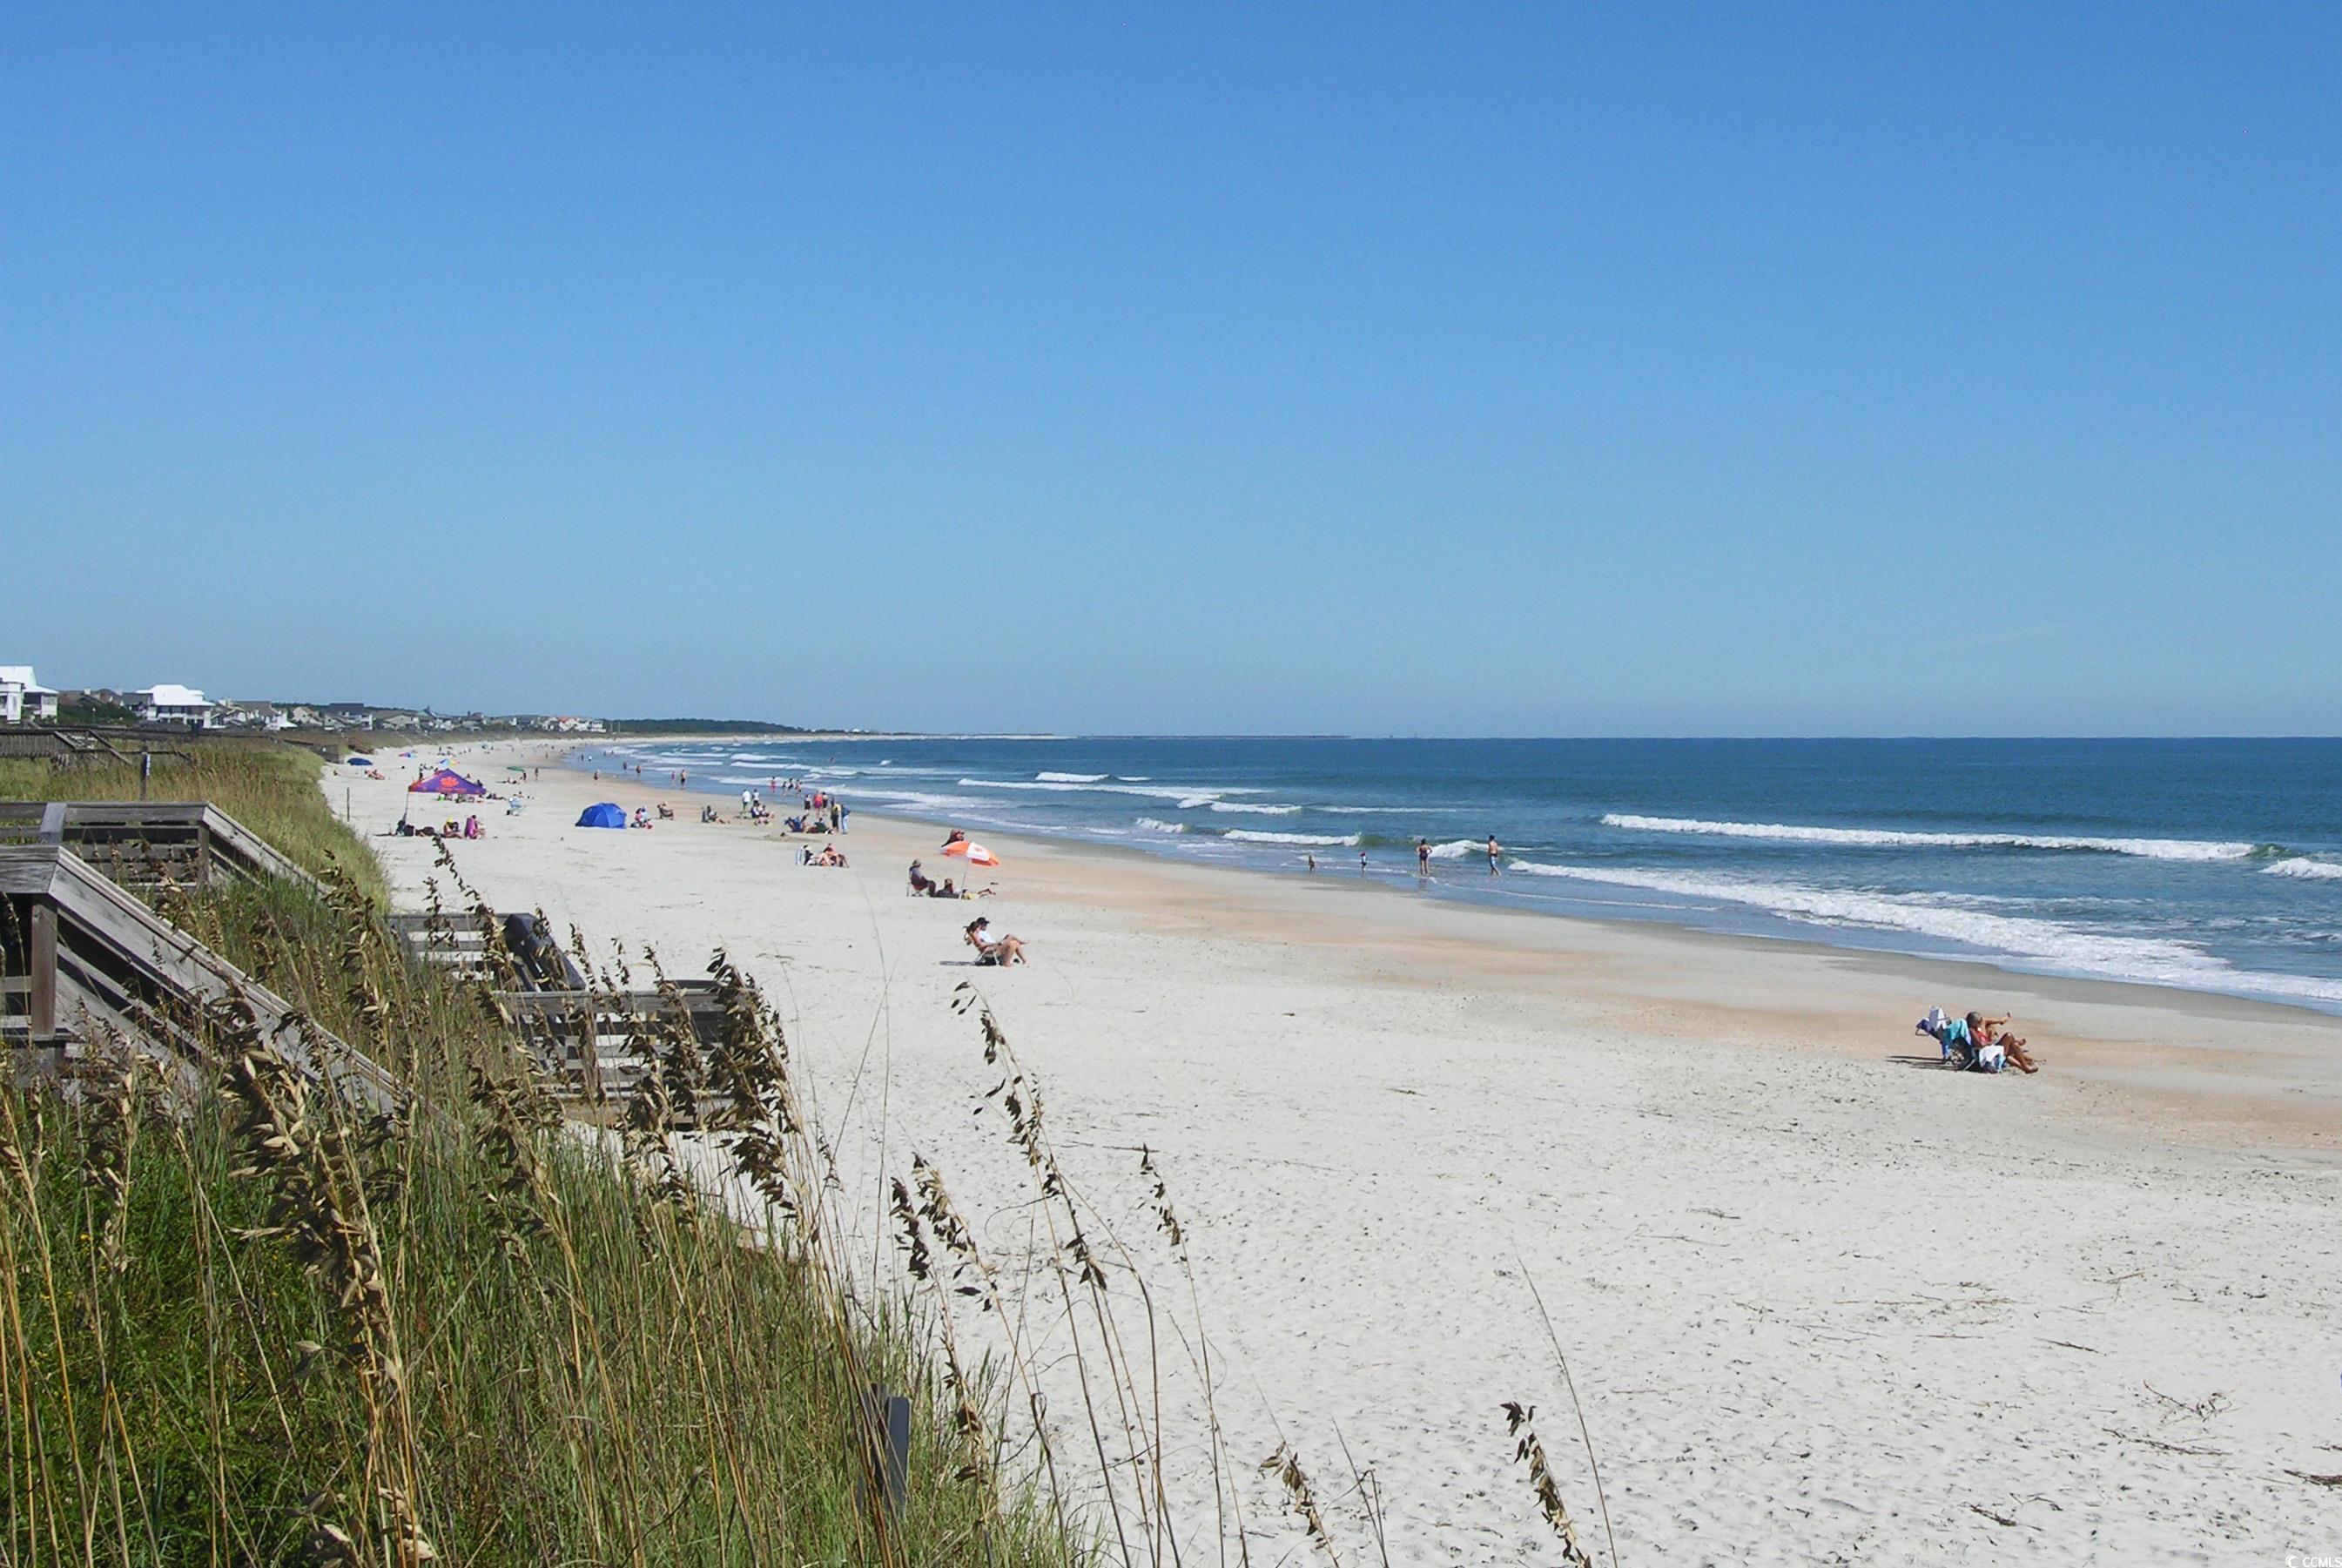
(1542, 370)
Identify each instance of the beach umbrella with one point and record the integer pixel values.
(609, 813)
(514, 768)
(974, 854)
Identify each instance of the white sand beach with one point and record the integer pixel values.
(1821, 1301)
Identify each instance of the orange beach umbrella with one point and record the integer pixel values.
(974, 854)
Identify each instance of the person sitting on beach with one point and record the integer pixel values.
(922, 885)
(707, 814)
(642, 817)
(1003, 950)
(667, 812)
(1996, 1045)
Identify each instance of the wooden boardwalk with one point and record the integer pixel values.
(84, 955)
(581, 1036)
(141, 844)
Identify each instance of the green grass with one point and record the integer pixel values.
(254, 1324)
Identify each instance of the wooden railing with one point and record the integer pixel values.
(143, 843)
(83, 952)
(579, 1035)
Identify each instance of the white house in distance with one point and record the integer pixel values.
(169, 704)
(23, 697)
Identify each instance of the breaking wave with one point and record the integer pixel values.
(1156, 824)
(1322, 840)
(2135, 958)
(1188, 798)
(1457, 848)
(1787, 832)
(2303, 866)
(1071, 778)
(1255, 810)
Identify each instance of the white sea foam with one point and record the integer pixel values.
(2138, 958)
(1395, 810)
(2303, 866)
(1187, 798)
(1457, 848)
(1257, 809)
(1322, 840)
(918, 801)
(1156, 824)
(2150, 848)
(1072, 778)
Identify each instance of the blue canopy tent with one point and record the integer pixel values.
(606, 814)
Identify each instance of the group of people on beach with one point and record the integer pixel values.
(922, 886)
(1423, 858)
(1975, 1043)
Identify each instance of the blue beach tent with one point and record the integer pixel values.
(606, 814)
(361, 761)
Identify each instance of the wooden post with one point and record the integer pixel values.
(42, 952)
(889, 1454)
(202, 851)
(145, 771)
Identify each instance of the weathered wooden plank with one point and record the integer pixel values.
(27, 869)
(96, 917)
(191, 835)
(41, 965)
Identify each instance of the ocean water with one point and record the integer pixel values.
(2206, 864)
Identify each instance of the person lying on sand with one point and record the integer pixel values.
(829, 855)
(1004, 951)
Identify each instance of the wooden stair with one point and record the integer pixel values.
(141, 844)
(84, 955)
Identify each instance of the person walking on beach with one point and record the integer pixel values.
(1496, 856)
(1362, 863)
(1422, 857)
(1313, 862)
